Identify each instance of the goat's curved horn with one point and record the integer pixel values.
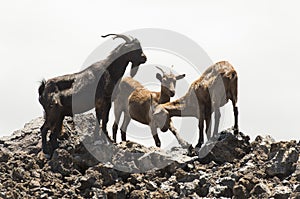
(159, 68)
(125, 37)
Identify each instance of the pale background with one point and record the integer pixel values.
(261, 39)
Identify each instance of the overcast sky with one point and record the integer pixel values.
(261, 39)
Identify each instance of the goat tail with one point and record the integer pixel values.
(234, 75)
(42, 87)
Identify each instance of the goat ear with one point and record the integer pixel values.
(158, 76)
(180, 77)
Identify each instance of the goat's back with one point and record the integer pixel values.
(218, 81)
(126, 87)
(139, 103)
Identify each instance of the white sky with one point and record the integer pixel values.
(44, 39)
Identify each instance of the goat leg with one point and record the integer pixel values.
(200, 126)
(124, 126)
(208, 123)
(123, 135)
(53, 142)
(236, 127)
(217, 121)
(54, 134)
(115, 131)
(105, 117)
(183, 143)
(155, 135)
(44, 130)
(118, 113)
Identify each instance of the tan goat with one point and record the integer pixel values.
(135, 101)
(206, 95)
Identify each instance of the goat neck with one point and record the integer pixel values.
(163, 97)
(117, 68)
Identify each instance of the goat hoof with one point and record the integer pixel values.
(46, 150)
(191, 151)
(236, 131)
(198, 145)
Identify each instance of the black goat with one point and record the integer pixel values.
(93, 87)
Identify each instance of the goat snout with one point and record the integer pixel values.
(144, 58)
(172, 93)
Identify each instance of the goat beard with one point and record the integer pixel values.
(133, 70)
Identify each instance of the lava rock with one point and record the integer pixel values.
(282, 192)
(88, 165)
(282, 159)
(261, 190)
(225, 147)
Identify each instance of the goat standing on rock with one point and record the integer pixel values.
(136, 101)
(206, 95)
(93, 87)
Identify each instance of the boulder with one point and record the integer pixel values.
(282, 192)
(283, 157)
(224, 147)
(261, 190)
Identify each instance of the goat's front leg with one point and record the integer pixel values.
(155, 135)
(183, 143)
(115, 127)
(105, 118)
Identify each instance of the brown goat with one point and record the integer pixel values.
(206, 95)
(135, 101)
(93, 87)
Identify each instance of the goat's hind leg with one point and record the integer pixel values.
(217, 121)
(200, 127)
(236, 113)
(44, 131)
(208, 124)
(54, 135)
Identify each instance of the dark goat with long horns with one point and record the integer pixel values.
(93, 87)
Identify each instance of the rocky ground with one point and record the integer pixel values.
(85, 166)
